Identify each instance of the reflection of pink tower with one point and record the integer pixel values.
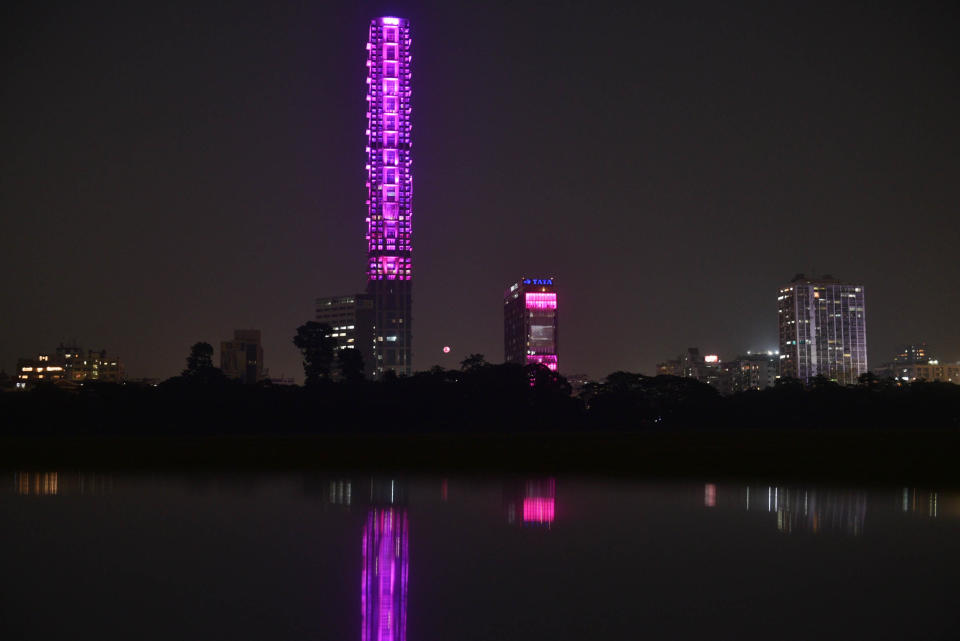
(538, 501)
(386, 563)
(531, 502)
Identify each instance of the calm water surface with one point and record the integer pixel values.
(390, 559)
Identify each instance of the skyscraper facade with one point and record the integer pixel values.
(823, 329)
(389, 193)
(530, 328)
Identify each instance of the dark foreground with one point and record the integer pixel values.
(862, 457)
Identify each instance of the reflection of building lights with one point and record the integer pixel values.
(539, 501)
(383, 598)
(37, 484)
(538, 510)
(710, 495)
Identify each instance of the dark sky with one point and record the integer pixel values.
(174, 170)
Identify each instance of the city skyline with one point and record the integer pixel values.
(189, 189)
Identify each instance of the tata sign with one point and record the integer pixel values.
(538, 281)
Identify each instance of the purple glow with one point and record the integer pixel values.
(548, 360)
(539, 501)
(540, 300)
(538, 510)
(389, 178)
(386, 561)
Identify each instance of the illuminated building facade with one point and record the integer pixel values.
(530, 328)
(822, 330)
(351, 320)
(929, 371)
(752, 371)
(914, 353)
(381, 318)
(68, 366)
(242, 358)
(706, 368)
(389, 193)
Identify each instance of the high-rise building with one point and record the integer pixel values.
(530, 329)
(351, 320)
(822, 329)
(384, 312)
(242, 358)
(389, 193)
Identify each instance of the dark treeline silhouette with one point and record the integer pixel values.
(478, 397)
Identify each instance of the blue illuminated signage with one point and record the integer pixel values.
(538, 281)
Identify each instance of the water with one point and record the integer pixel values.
(371, 559)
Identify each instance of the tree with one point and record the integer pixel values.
(200, 359)
(868, 379)
(316, 344)
(200, 367)
(473, 362)
(350, 364)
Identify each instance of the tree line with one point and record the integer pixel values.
(476, 397)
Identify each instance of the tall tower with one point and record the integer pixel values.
(531, 333)
(823, 329)
(389, 193)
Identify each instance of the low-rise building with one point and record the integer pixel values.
(69, 365)
(752, 371)
(929, 371)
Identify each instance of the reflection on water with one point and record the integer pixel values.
(929, 503)
(533, 500)
(468, 552)
(60, 483)
(818, 510)
(341, 492)
(386, 564)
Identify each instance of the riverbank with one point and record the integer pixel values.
(861, 457)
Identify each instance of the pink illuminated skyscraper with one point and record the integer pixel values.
(389, 193)
(530, 329)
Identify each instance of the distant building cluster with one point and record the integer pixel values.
(750, 371)
(68, 366)
(915, 362)
(823, 333)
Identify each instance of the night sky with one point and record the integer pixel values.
(174, 170)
